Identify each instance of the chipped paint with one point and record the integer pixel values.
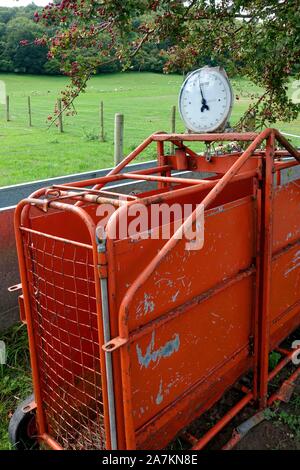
(169, 282)
(160, 396)
(163, 392)
(174, 297)
(145, 306)
(295, 264)
(148, 304)
(155, 356)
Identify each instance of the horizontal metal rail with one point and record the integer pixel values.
(165, 179)
(224, 137)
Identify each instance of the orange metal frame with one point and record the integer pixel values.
(130, 333)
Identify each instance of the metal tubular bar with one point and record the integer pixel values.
(92, 198)
(109, 179)
(189, 438)
(93, 192)
(284, 165)
(150, 171)
(247, 136)
(291, 380)
(283, 141)
(50, 442)
(118, 195)
(258, 223)
(223, 422)
(265, 278)
(281, 365)
(24, 281)
(128, 159)
(59, 239)
(161, 160)
(165, 179)
(191, 189)
(123, 163)
(284, 352)
(108, 363)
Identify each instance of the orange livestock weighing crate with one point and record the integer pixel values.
(132, 338)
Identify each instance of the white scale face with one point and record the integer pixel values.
(205, 100)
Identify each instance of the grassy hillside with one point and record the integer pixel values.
(144, 98)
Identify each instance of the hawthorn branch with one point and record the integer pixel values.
(250, 111)
(90, 72)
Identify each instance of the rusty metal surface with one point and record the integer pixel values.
(185, 325)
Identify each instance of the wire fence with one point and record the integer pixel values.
(32, 148)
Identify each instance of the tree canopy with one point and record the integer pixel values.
(256, 39)
(16, 25)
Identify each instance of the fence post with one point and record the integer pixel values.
(60, 117)
(102, 136)
(118, 138)
(173, 127)
(7, 108)
(29, 112)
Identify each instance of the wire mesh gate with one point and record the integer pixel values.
(103, 369)
(64, 315)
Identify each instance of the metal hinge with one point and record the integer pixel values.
(114, 344)
(102, 271)
(102, 258)
(15, 288)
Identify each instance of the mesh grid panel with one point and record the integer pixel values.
(63, 308)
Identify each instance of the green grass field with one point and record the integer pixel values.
(145, 99)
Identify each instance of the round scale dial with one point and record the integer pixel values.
(205, 100)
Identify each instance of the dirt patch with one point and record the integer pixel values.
(269, 436)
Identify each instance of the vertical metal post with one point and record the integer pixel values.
(7, 109)
(118, 138)
(60, 117)
(102, 137)
(265, 272)
(108, 356)
(29, 112)
(258, 264)
(161, 161)
(173, 127)
(41, 422)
